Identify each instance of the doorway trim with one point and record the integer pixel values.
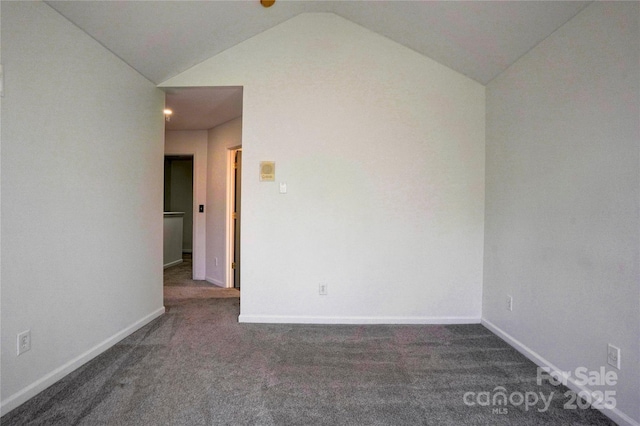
(230, 203)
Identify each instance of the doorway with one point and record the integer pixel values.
(234, 203)
(178, 197)
(207, 123)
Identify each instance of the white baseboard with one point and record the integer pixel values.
(41, 384)
(214, 281)
(174, 263)
(285, 319)
(614, 414)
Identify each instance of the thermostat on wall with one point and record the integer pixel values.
(267, 171)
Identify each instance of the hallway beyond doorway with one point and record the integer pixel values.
(179, 285)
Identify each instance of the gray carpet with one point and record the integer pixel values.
(196, 365)
(180, 275)
(179, 285)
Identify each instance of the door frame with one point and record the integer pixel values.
(197, 240)
(230, 231)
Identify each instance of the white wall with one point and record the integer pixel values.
(383, 153)
(172, 235)
(194, 142)
(81, 199)
(221, 138)
(562, 235)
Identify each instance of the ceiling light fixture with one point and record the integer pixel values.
(267, 3)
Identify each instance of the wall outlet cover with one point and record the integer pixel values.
(24, 342)
(613, 356)
(322, 290)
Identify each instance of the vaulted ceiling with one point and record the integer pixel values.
(161, 39)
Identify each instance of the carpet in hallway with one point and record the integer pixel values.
(181, 275)
(179, 285)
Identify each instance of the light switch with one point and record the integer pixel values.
(283, 187)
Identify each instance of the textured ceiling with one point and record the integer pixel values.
(161, 39)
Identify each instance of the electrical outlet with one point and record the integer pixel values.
(24, 341)
(613, 356)
(509, 303)
(216, 259)
(323, 290)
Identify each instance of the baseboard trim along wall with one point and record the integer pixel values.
(285, 319)
(214, 281)
(614, 414)
(38, 386)
(174, 263)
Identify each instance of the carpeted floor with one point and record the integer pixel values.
(180, 275)
(179, 285)
(196, 365)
